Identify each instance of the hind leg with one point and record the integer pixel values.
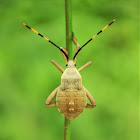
(49, 99)
(91, 99)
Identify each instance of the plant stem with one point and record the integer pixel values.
(67, 129)
(68, 15)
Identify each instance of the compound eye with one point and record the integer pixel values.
(66, 65)
(74, 64)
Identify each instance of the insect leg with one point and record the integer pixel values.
(66, 52)
(91, 99)
(75, 40)
(76, 43)
(84, 66)
(57, 65)
(49, 99)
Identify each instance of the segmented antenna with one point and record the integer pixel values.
(47, 40)
(93, 38)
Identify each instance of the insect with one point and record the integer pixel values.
(71, 95)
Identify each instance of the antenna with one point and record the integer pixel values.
(47, 40)
(93, 38)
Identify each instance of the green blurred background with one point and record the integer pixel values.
(27, 77)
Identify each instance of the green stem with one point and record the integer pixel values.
(67, 129)
(68, 15)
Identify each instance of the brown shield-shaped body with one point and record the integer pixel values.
(71, 96)
(71, 102)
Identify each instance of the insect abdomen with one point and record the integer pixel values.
(71, 102)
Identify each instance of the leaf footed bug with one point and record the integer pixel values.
(71, 95)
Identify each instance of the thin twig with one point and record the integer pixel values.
(67, 129)
(68, 15)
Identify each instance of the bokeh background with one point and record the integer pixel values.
(27, 77)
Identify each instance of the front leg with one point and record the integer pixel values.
(91, 100)
(84, 66)
(76, 43)
(57, 65)
(49, 99)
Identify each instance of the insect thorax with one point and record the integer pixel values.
(71, 79)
